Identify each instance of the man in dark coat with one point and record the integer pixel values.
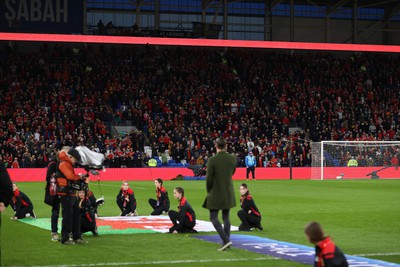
(6, 190)
(220, 192)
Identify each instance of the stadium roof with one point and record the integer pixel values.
(336, 4)
(392, 6)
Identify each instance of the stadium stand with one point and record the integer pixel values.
(180, 99)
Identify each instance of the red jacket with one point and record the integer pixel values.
(327, 254)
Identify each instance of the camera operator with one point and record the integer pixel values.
(67, 185)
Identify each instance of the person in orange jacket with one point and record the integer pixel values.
(67, 184)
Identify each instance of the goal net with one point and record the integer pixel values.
(355, 159)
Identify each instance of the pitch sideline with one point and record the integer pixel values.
(154, 262)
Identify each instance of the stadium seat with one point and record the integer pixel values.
(336, 163)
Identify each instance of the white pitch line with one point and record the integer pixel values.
(378, 254)
(109, 185)
(152, 262)
(140, 187)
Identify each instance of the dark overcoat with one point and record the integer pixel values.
(220, 192)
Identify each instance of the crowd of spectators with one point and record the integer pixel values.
(180, 99)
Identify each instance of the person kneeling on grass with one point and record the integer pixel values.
(21, 204)
(88, 218)
(184, 219)
(327, 254)
(126, 200)
(161, 204)
(249, 214)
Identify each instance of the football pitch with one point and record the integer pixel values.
(362, 217)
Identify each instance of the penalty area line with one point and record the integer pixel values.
(153, 262)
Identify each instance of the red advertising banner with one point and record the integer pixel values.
(148, 174)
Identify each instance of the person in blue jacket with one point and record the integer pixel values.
(250, 161)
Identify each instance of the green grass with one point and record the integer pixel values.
(362, 216)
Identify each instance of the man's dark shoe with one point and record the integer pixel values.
(80, 241)
(95, 232)
(68, 242)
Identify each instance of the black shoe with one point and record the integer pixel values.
(95, 232)
(259, 227)
(80, 241)
(244, 229)
(68, 242)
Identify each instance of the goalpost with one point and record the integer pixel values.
(355, 159)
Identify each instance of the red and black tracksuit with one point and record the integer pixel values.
(327, 254)
(252, 219)
(22, 205)
(184, 219)
(93, 200)
(124, 205)
(88, 218)
(162, 202)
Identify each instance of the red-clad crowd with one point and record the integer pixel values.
(180, 99)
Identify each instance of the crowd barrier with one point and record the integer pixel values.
(148, 174)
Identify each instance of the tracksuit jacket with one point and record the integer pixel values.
(327, 254)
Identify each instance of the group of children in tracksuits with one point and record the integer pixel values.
(184, 219)
(327, 254)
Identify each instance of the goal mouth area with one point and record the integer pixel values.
(355, 160)
(347, 173)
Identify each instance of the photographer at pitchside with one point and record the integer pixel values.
(66, 190)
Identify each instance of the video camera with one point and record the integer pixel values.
(82, 184)
(91, 161)
(94, 170)
(78, 185)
